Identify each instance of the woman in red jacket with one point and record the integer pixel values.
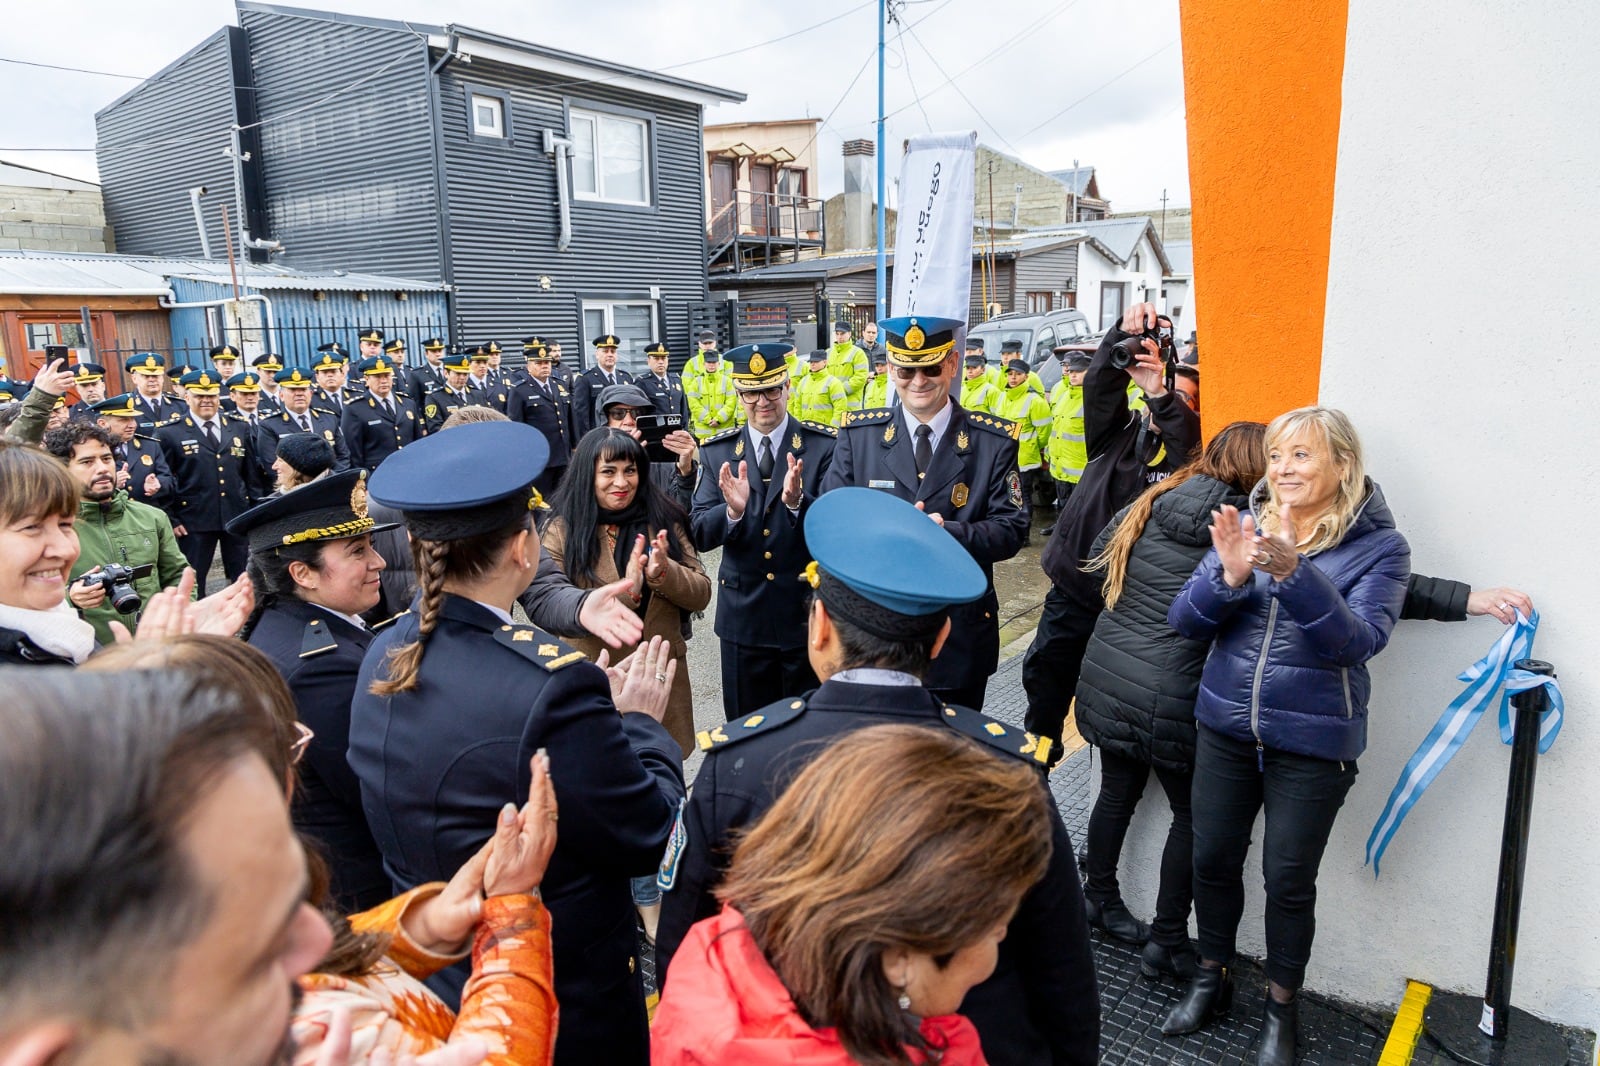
(860, 909)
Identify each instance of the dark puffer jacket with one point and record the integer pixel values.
(1140, 677)
(1289, 664)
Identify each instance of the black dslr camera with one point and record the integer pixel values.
(653, 429)
(118, 583)
(1125, 351)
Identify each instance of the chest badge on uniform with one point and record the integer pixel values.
(738, 449)
(411, 414)
(963, 442)
(329, 434)
(146, 460)
(888, 434)
(958, 495)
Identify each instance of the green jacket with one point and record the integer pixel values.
(1027, 409)
(819, 397)
(1068, 451)
(850, 365)
(128, 533)
(713, 405)
(877, 392)
(979, 395)
(33, 419)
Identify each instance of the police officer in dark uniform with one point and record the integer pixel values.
(664, 388)
(155, 408)
(140, 456)
(500, 378)
(369, 342)
(756, 482)
(89, 379)
(212, 455)
(960, 466)
(452, 394)
(544, 403)
(266, 367)
(587, 385)
(333, 390)
(877, 618)
(224, 364)
(243, 398)
(480, 390)
(313, 633)
(298, 415)
(383, 421)
(430, 375)
(465, 697)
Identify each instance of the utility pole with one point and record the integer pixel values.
(1074, 219)
(1163, 216)
(883, 204)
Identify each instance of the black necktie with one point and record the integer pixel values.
(211, 435)
(305, 423)
(764, 461)
(924, 449)
(388, 408)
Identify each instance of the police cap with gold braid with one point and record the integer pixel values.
(120, 406)
(476, 478)
(919, 340)
(330, 508)
(759, 366)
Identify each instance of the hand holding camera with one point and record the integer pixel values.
(1150, 353)
(110, 581)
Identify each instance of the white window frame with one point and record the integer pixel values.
(596, 118)
(631, 356)
(496, 130)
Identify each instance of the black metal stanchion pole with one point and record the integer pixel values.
(1482, 1030)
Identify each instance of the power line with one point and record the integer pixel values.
(775, 40)
(74, 70)
(916, 97)
(1103, 85)
(992, 128)
(1022, 34)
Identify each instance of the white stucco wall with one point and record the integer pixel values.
(1095, 270)
(1485, 447)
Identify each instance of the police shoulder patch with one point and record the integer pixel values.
(1014, 742)
(821, 427)
(770, 717)
(727, 434)
(871, 417)
(538, 647)
(1003, 427)
(317, 639)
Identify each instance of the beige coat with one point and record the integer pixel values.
(682, 585)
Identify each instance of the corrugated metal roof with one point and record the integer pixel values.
(1181, 255)
(1076, 179)
(88, 274)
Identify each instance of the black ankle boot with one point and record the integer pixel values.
(1174, 960)
(1114, 920)
(1279, 1028)
(1208, 995)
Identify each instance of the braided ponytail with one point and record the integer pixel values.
(438, 561)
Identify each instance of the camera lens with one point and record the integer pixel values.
(1125, 351)
(124, 598)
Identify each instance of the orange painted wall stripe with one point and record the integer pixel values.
(1262, 80)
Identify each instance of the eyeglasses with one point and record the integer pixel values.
(754, 395)
(302, 741)
(906, 373)
(618, 414)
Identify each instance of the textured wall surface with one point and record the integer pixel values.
(1261, 81)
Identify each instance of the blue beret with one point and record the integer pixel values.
(889, 553)
(464, 481)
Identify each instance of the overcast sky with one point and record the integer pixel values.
(1049, 81)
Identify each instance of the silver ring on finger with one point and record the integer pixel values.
(661, 678)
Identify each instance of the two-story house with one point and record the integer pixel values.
(553, 193)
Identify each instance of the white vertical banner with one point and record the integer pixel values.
(933, 241)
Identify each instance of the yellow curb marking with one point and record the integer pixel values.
(1407, 1027)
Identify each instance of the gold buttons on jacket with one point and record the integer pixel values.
(770, 577)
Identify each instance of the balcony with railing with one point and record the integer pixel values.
(760, 228)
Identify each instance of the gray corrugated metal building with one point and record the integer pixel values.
(432, 152)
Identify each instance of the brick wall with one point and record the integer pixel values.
(53, 220)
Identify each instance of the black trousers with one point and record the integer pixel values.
(1053, 661)
(1063, 490)
(201, 548)
(1301, 795)
(1122, 782)
(753, 676)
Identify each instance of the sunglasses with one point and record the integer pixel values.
(617, 414)
(906, 373)
(302, 740)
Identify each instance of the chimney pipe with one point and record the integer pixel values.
(858, 194)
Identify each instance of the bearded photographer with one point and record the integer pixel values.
(113, 530)
(1129, 449)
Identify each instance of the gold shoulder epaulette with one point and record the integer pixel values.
(1003, 426)
(724, 435)
(821, 427)
(318, 638)
(379, 627)
(780, 713)
(870, 417)
(539, 647)
(1015, 742)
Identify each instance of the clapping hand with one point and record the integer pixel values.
(735, 489)
(635, 571)
(655, 567)
(1235, 544)
(173, 612)
(642, 682)
(793, 485)
(1278, 554)
(335, 1049)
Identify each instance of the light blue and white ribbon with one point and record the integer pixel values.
(1494, 673)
